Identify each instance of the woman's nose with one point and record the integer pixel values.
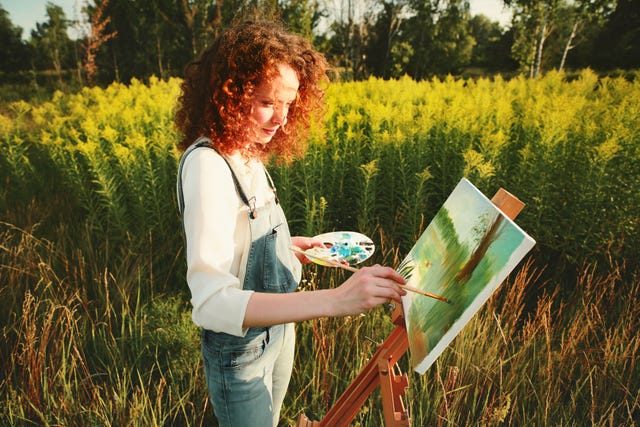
(279, 115)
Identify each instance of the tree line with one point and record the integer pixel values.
(118, 40)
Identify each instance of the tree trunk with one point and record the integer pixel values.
(568, 46)
(78, 65)
(190, 13)
(159, 49)
(34, 74)
(394, 26)
(531, 58)
(490, 235)
(57, 64)
(116, 70)
(543, 36)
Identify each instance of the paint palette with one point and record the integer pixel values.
(345, 247)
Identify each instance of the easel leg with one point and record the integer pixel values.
(303, 421)
(392, 386)
(379, 370)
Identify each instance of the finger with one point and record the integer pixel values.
(388, 273)
(315, 243)
(391, 287)
(310, 242)
(397, 295)
(395, 292)
(298, 253)
(389, 290)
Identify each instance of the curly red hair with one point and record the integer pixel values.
(218, 86)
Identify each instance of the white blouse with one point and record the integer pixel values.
(217, 235)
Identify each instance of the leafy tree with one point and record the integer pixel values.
(302, 16)
(156, 42)
(453, 44)
(96, 36)
(586, 14)
(51, 41)
(386, 54)
(199, 19)
(386, 38)
(492, 44)
(420, 30)
(165, 44)
(13, 51)
(166, 34)
(618, 45)
(533, 21)
(438, 31)
(121, 59)
(337, 46)
(350, 38)
(546, 31)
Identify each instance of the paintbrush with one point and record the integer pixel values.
(334, 263)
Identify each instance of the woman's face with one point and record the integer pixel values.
(271, 102)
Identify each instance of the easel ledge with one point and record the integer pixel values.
(382, 367)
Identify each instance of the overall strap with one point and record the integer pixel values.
(201, 142)
(272, 185)
(206, 142)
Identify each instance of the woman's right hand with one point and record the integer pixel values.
(367, 288)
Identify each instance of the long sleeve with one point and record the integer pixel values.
(216, 239)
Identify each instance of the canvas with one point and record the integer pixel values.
(465, 253)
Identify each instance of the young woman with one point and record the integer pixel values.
(251, 95)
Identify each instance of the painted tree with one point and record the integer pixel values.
(489, 235)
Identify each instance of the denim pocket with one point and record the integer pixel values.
(265, 270)
(240, 355)
(276, 276)
(270, 261)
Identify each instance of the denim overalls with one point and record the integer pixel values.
(247, 377)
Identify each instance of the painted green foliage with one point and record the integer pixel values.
(462, 255)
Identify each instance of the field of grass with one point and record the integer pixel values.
(94, 309)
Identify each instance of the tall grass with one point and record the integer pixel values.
(85, 345)
(94, 310)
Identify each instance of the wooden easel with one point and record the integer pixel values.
(382, 368)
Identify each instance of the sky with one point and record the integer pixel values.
(25, 13)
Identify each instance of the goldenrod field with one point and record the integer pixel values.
(94, 309)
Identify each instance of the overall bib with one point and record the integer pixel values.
(247, 377)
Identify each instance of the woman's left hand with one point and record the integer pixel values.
(304, 243)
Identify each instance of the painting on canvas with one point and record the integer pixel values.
(465, 253)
